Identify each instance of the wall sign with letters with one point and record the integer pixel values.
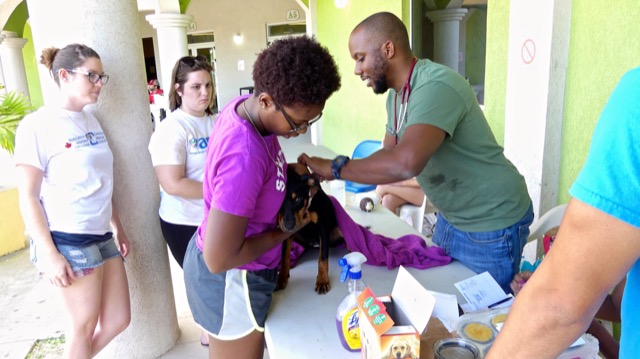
(293, 15)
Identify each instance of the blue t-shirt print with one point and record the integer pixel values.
(198, 145)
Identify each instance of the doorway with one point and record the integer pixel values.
(203, 44)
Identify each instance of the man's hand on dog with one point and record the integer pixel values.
(320, 167)
(306, 218)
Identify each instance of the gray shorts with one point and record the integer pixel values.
(82, 259)
(228, 305)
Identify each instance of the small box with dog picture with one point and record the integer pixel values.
(390, 326)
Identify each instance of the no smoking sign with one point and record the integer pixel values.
(528, 51)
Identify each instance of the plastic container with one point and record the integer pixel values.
(347, 313)
(337, 190)
(481, 328)
(455, 348)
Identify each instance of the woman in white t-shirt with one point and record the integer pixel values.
(178, 149)
(65, 169)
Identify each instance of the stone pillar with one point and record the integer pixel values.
(172, 42)
(462, 45)
(446, 35)
(111, 28)
(3, 85)
(15, 76)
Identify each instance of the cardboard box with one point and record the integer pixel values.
(390, 326)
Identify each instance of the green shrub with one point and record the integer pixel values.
(13, 107)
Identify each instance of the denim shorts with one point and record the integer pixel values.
(82, 259)
(497, 252)
(228, 305)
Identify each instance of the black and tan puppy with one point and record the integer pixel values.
(305, 194)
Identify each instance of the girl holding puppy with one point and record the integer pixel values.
(230, 264)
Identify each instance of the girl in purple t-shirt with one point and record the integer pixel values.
(230, 264)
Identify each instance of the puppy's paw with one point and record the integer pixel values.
(323, 287)
(283, 281)
(280, 285)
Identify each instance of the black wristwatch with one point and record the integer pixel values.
(337, 164)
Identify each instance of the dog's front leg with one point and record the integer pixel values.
(285, 265)
(323, 285)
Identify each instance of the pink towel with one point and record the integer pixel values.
(409, 250)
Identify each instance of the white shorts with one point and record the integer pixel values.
(228, 305)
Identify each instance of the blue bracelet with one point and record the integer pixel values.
(337, 164)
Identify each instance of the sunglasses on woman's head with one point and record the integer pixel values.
(193, 61)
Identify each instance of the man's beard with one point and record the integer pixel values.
(380, 84)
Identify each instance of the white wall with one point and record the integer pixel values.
(247, 17)
(146, 30)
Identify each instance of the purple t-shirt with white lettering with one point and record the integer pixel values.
(242, 178)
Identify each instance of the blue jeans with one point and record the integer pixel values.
(82, 259)
(497, 252)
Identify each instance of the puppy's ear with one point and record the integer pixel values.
(313, 190)
(412, 353)
(390, 351)
(311, 183)
(309, 180)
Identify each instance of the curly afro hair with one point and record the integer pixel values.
(296, 71)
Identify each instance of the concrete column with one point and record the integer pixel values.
(172, 42)
(15, 76)
(462, 45)
(3, 86)
(446, 34)
(111, 28)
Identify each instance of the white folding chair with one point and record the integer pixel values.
(551, 218)
(414, 215)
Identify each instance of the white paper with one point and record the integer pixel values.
(412, 300)
(481, 291)
(446, 309)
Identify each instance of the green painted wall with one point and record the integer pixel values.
(441, 4)
(31, 67)
(17, 23)
(495, 86)
(354, 113)
(184, 4)
(17, 19)
(603, 46)
(476, 47)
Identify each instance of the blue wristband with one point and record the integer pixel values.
(337, 164)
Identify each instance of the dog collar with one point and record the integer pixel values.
(337, 164)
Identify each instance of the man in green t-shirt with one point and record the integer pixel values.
(437, 133)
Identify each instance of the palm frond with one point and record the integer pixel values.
(13, 107)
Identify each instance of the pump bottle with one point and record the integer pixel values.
(347, 314)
